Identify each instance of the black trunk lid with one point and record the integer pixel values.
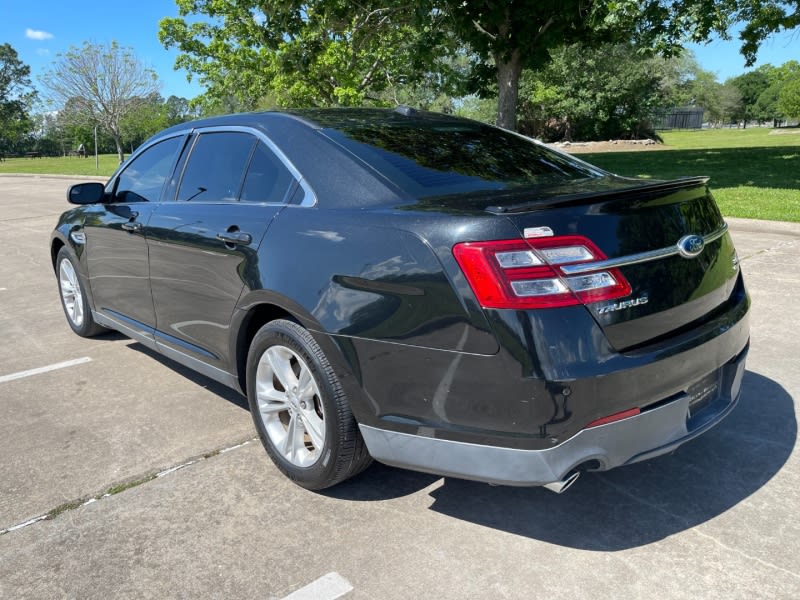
(640, 223)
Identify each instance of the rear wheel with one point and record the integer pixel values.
(299, 409)
(73, 298)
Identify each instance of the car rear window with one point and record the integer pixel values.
(453, 157)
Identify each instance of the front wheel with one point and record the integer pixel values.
(299, 409)
(73, 297)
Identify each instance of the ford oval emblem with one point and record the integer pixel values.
(690, 246)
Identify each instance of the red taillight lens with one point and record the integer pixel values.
(527, 273)
(615, 417)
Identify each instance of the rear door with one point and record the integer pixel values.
(203, 241)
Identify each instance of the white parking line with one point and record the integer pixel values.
(327, 587)
(39, 370)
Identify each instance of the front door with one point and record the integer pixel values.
(115, 238)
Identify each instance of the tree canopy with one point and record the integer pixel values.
(320, 52)
(16, 97)
(254, 53)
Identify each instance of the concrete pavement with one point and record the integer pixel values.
(716, 519)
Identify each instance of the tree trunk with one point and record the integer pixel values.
(120, 150)
(508, 73)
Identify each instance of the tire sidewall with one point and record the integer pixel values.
(286, 333)
(85, 327)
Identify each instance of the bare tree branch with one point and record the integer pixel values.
(103, 83)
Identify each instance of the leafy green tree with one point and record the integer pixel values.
(789, 98)
(762, 18)
(666, 26)
(147, 117)
(597, 93)
(256, 53)
(16, 98)
(321, 52)
(751, 85)
(506, 37)
(510, 35)
(177, 110)
(767, 108)
(104, 83)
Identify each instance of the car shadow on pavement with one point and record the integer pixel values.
(629, 506)
(217, 388)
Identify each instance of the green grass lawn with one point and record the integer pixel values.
(61, 165)
(753, 174)
(752, 137)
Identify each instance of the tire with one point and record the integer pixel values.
(299, 409)
(73, 297)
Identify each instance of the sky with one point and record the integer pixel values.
(723, 57)
(41, 29)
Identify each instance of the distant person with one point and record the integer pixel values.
(82, 151)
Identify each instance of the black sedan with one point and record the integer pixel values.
(424, 290)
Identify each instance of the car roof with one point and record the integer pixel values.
(326, 118)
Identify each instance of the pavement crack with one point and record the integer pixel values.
(118, 488)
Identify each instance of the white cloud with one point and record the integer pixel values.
(42, 51)
(37, 34)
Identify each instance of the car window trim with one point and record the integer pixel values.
(309, 197)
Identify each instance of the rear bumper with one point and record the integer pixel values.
(655, 431)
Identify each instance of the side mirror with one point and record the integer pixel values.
(86, 193)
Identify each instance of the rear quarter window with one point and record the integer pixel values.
(267, 178)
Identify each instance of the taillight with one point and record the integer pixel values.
(527, 273)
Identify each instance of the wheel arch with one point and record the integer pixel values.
(55, 247)
(253, 319)
(260, 308)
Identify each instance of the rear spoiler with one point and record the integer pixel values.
(640, 189)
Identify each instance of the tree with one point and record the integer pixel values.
(253, 53)
(146, 118)
(509, 36)
(789, 98)
(666, 26)
(762, 18)
(151, 115)
(751, 85)
(596, 93)
(16, 97)
(105, 82)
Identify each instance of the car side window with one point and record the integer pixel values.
(215, 167)
(267, 179)
(143, 179)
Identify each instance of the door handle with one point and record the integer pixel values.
(235, 238)
(132, 226)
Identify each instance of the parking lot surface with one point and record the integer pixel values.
(152, 485)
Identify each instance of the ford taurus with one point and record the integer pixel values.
(428, 291)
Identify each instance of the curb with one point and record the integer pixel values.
(101, 178)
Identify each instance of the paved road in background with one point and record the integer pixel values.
(716, 519)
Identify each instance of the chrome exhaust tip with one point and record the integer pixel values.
(559, 487)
